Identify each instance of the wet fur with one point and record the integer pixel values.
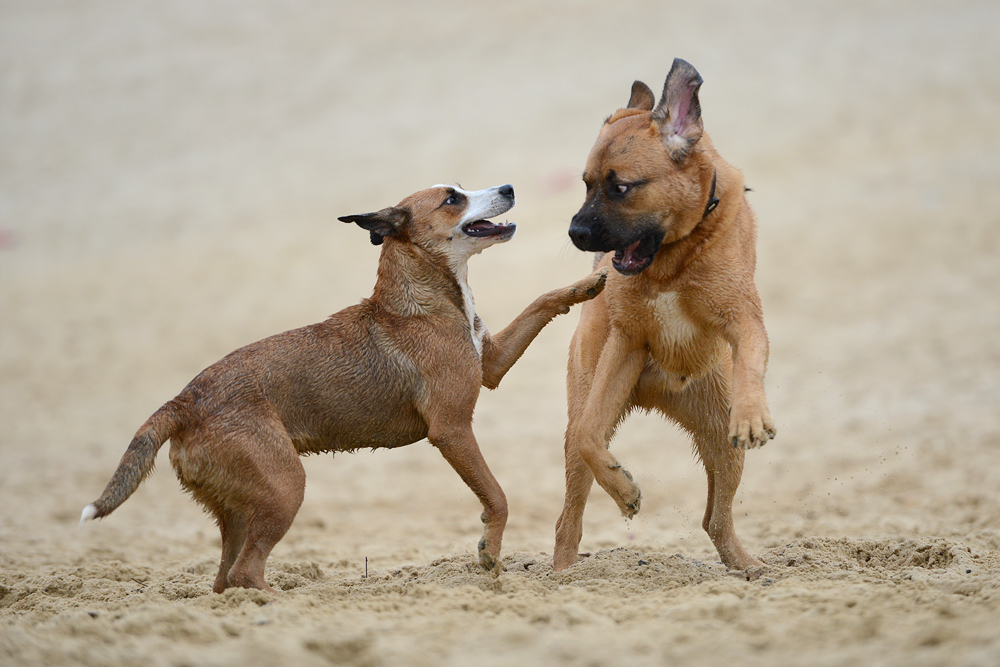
(685, 336)
(400, 366)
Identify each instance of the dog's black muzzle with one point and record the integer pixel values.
(588, 232)
(591, 231)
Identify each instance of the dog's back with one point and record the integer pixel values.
(324, 382)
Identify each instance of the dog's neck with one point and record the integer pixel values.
(412, 281)
(725, 197)
(476, 329)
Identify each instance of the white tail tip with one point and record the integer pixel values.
(89, 512)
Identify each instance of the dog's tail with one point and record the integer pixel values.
(137, 462)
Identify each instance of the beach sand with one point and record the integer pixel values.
(170, 178)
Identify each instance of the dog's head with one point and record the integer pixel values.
(647, 182)
(444, 220)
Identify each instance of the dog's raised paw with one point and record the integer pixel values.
(748, 430)
(632, 508)
(623, 490)
(589, 287)
(598, 287)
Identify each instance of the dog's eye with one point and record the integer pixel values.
(451, 200)
(619, 189)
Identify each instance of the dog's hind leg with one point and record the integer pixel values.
(279, 482)
(459, 448)
(724, 468)
(702, 409)
(569, 527)
(579, 478)
(233, 527)
(253, 483)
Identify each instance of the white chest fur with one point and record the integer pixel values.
(680, 347)
(675, 327)
(476, 326)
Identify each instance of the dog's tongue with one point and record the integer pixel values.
(626, 260)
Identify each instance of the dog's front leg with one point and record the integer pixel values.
(750, 423)
(501, 351)
(459, 447)
(587, 434)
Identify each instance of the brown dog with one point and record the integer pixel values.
(404, 365)
(679, 328)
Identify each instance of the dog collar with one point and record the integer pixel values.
(713, 201)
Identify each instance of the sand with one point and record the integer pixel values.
(170, 177)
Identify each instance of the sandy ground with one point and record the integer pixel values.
(170, 175)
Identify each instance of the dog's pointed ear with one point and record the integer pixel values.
(380, 224)
(641, 98)
(678, 115)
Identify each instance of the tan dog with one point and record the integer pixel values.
(404, 365)
(679, 328)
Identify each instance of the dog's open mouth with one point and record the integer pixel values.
(488, 228)
(636, 257)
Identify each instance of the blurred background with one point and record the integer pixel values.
(170, 177)
(171, 174)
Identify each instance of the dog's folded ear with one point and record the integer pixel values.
(380, 224)
(642, 97)
(678, 115)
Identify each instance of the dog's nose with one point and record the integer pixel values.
(580, 235)
(506, 191)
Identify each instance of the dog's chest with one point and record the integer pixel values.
(676, 343)
(673, 328)
(477, 328)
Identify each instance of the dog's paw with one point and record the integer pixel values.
(599, 279)
(622, 489)
(586, 289)
(489, 563)
(749, 428)
(751, 572)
